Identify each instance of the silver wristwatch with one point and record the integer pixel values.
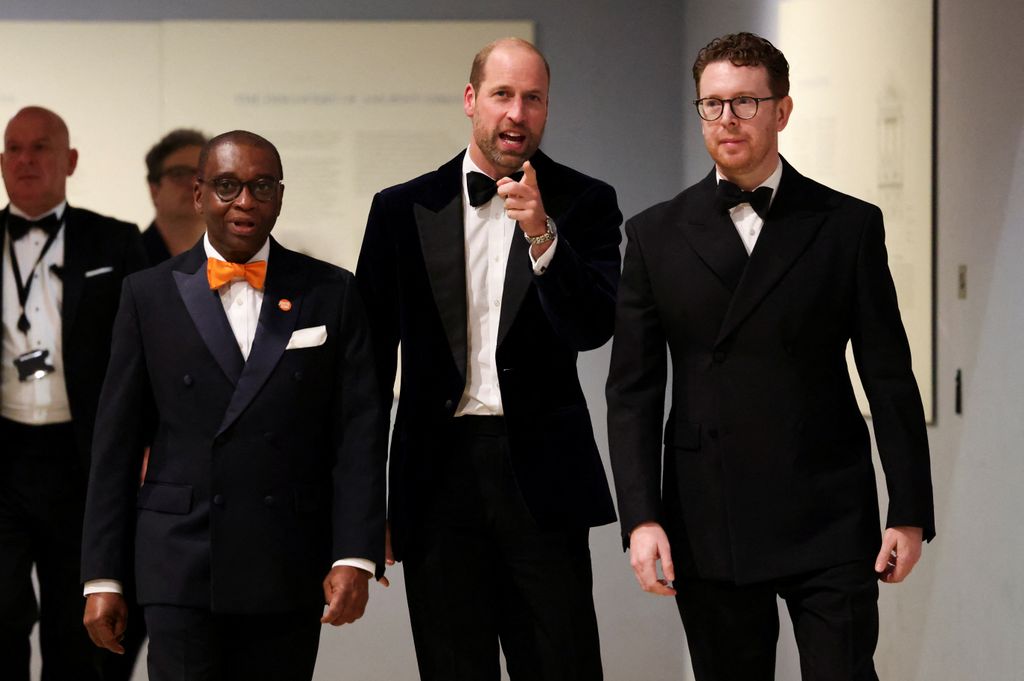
(543, 238)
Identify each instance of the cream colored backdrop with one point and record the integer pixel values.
(352, 106)
(862, 123)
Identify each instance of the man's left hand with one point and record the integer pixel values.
(524, 205)
(346, 591)
(906, 542)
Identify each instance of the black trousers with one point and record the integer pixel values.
(42, 495)
(732, 630)
(191, 644)
(480, 574)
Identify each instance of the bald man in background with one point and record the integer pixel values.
(60, 284)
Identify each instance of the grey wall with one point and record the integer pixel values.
(620, 111)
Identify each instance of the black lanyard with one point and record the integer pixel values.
(24, 288)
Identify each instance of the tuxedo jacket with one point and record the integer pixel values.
(98, 253)
(263, 471)
(412, 271)
(767, 465)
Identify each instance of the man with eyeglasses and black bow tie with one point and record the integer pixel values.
(249, 368)
(493, 272)
(61, 281)
(753, 281)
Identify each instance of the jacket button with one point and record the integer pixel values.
(187, 380)
(448, 404)
(719, 356)
(218, 500)
(297, 375)
(713, 433)
(269, 501)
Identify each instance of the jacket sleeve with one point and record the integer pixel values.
(636, 393)
(125, 407)
(882, 355)
(578, 289)
(360, 451)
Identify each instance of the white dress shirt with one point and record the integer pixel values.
(488, 234)
(748, 222)
(242, 305)
(45, 400)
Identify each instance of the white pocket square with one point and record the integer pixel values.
(307, 338)
(98, 271)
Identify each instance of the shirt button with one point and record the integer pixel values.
(238, 301)
(497, 302)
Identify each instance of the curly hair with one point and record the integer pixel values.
(745, 49)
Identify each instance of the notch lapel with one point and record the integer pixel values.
(786, 234)
(444, 254)
(207, 313)
(284, 281)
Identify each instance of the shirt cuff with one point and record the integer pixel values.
(540, 265)
(361, 563)
(102, 586)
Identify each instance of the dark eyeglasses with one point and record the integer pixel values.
(712, 108)
(181, 175)
(228, 188)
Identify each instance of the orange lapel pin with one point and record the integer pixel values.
(284, 304)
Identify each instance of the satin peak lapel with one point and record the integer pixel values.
(275, 326)
(444, 254)
(518, 277)
(207, 314)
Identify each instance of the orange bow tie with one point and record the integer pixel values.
(219, 273)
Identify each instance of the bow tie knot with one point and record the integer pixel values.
(482, 188)
(220, 273)
(730, 195)
(19, 226)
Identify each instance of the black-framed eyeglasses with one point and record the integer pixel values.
(228, 188)
(179, 174)
(712, 108)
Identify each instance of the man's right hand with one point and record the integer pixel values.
(106, 617)
(648, 544)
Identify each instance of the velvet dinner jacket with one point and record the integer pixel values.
(412, 272)
(263, 471)
(767, 465)
(99, 252)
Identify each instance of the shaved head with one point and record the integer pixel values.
(37, 160)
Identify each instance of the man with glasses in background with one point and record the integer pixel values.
(753, 281)
(170, 171)
(249, 368)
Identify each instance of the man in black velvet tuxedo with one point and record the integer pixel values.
(753, 281)
(493, 272)
(249, 368)
(61, 279)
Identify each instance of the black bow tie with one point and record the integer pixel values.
(482, 188)
(729, 196)
(19, 226)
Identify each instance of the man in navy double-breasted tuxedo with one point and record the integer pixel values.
(249, 368)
